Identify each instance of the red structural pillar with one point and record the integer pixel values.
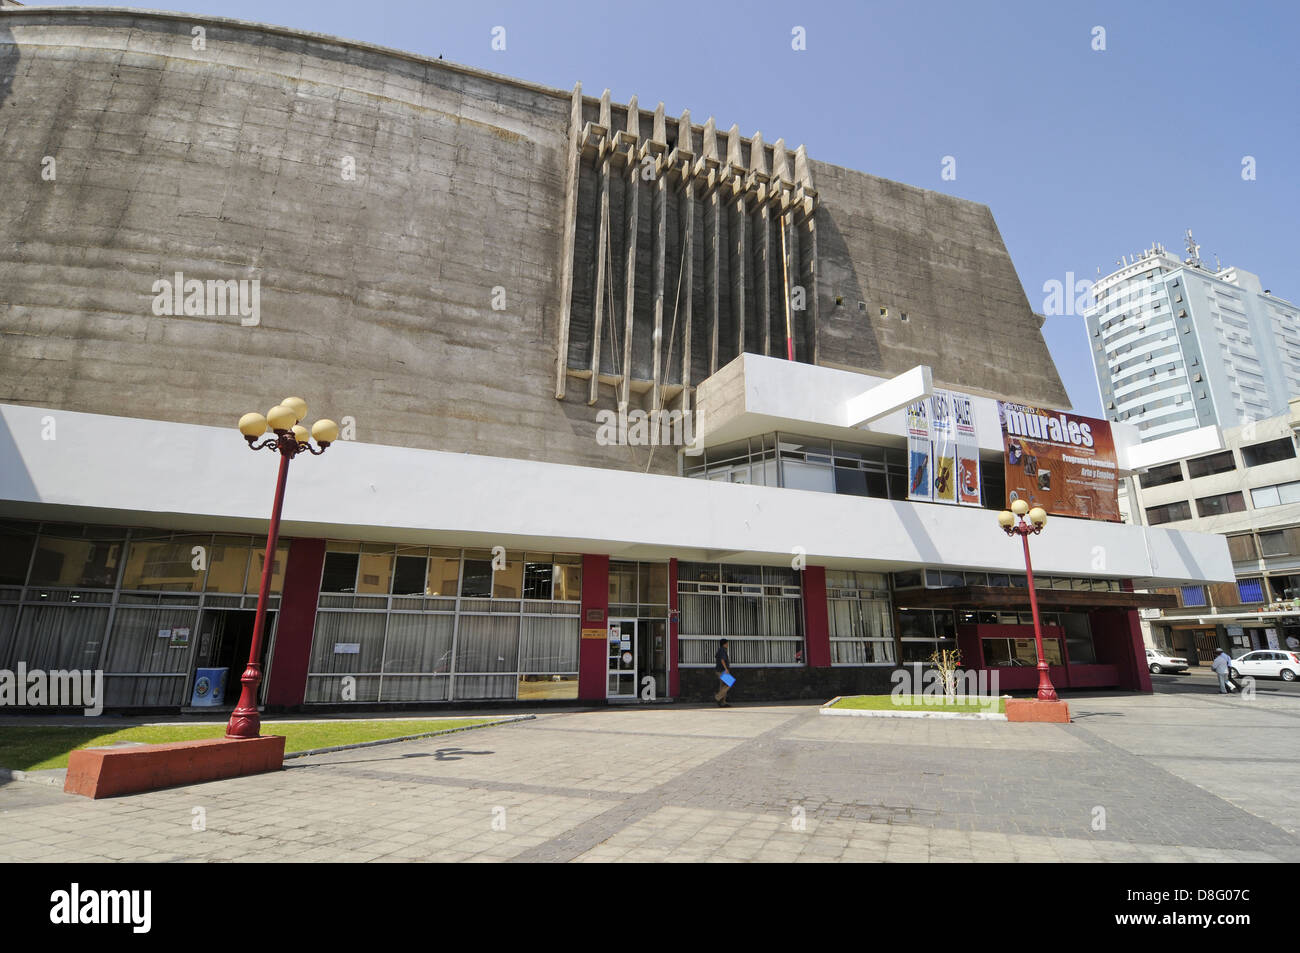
(816, 624)
(297, 623)
(674, 624)
(593, 650)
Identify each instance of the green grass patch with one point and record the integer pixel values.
(35, 747)
(917, 703)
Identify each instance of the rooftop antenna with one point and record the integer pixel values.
(1193, 251)
(1217, 266)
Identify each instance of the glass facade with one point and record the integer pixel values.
(861, 623)
(420, 624)
(138, 604)
(758, 609)
(825, 466)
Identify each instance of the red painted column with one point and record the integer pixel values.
(296, 623)
(673, 624)
(816, 624)
(592, 653)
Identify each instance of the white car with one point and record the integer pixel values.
(1267, 663)
(1159, 663)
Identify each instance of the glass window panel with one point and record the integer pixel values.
(228, 564)
(653, 583)
(916, 624)
(539, 580)
(568, 578)
(487, 643)
(808, 476)
(477, 581)
(548, 645)
(76, 562)
(851, 482)
(166, 564)
(56, 637)
(258, 556)
(508, 582)
(419, 642)
(375, 573)
(15, 554)
(409, 576)
(340, 573)
(444, 572)
(622, 582)
(335, 630)
(135, 645)
(1288, 493)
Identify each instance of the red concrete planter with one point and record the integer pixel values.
(1031, 709)
(106, 772)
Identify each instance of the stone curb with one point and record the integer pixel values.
(53, 776)
(56, 776)
(509, 719)
(946, 715)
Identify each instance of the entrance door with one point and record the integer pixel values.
(652, 657)
(225, 640)
(620, 678)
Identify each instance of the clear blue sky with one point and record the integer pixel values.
(1082, 155)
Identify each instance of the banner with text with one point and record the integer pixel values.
(943, 461)
(1064, 463)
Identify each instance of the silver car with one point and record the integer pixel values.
(1159, 663)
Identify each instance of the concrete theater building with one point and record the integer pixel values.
(493, 286)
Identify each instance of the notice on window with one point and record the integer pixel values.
(1063, 462)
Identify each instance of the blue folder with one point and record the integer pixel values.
(727, 679)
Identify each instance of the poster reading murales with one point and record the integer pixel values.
(968, 451)
(1064, 463)
(919, 485)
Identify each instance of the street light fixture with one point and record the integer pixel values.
(290, 439)
(1037, 520)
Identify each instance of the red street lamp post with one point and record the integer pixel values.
(290, 440)
(1037, 520)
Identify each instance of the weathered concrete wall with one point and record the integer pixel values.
(941, 261)
(376, 294)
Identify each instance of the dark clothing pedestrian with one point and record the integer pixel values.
(723, 667)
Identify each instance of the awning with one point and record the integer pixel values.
(1017, 597)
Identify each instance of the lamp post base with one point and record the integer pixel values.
(246, 720)
(1032, 709)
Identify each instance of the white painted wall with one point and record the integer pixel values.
(167, 474)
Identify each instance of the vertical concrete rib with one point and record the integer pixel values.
(602, 243)
(686, 223)
(758, 178)
(631, 206)
(655, 149)
(735, 177)
(567, 243)
(712, 223)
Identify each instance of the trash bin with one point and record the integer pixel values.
(209, 687)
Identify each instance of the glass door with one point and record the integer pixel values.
(621, 667)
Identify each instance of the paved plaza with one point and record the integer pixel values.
(1182, 775)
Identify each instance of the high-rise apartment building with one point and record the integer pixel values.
(1178, 345)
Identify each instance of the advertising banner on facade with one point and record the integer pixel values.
(968, 451)
(942, 450)
(919, 486)
(944, 440)
(1064, 463)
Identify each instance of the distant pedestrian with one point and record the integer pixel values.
(1221, 666)
(723, 667)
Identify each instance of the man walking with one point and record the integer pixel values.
(723, 667)
(1221, 665)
